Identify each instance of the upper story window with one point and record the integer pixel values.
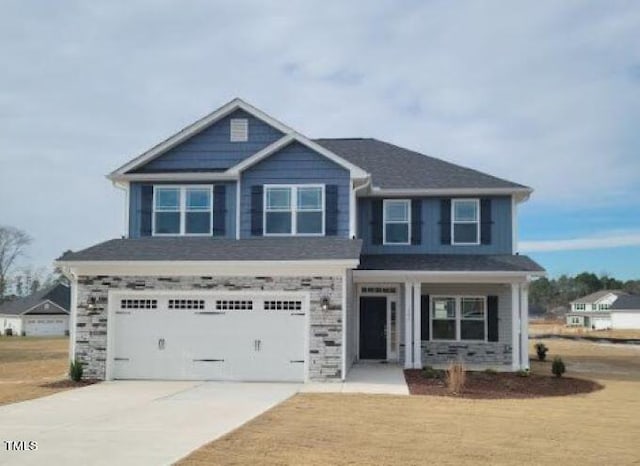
(294, 210)
(580, 306)
(182, 210)
(397, 222)
(459, 318)
(239, 130)
(603, 307)
(465, 225)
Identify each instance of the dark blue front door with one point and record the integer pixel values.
(373, 321)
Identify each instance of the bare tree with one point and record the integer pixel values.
(13, 244)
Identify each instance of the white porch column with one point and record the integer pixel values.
(524, 326)
(408, 327)
(417, 337)
(73, 316)
(515, 326)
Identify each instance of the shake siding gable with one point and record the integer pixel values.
(212, 149)
(296, 164)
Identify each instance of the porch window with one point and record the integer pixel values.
(466, 222)
(459, 318)
(443, 318)
(397, 221)
(182, 210)
(294, 210)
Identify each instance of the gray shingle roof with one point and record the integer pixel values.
(394, 167)
(59, 294)
(627, 302)
(209, 249)
(449, 263)
(594, 297)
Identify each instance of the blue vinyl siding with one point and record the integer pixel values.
(296, 164)
(135, 207)
(501, 237)
(211, 149)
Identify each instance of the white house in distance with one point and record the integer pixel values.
(625, 312)
(44, 313)
(594, 310)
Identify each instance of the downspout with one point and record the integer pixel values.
(354, 208)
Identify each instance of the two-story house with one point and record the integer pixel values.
(255, 253)
(593, 310)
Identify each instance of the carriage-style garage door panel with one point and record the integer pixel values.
(196, 337)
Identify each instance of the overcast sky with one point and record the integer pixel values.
(545, 93)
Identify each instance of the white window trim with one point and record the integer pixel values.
(454, 222)
(293, 209)
(384, 222)
(458, 300)
(182, 209)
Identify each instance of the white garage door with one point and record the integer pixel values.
(44, 325)
(625, 320)
(209, 337)
(601, 323)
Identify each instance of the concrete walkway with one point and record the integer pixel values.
(123, 423)
(373, 378)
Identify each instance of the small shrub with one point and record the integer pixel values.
(8, 332)
(490, 371)
(431, 373)
(23, 333)
(541, 349)
(75, 371)
(523, 373)
(456, 377)
(558, 368)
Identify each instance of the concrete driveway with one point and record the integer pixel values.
(131, 422)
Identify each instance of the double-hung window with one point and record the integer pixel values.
(294, 210)
(459, 318)
(182, 210)
(397, 222)
(465, 224)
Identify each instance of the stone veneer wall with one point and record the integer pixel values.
(490, 354)
(325, 343)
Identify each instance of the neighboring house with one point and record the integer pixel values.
(45, 312)
(592, 311)
(255, 253)
(625, 313)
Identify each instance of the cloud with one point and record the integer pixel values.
(574, 244)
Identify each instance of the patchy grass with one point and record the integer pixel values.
(29, 363)
(559, 328)
(598, 428)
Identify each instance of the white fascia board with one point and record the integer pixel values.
(44, 302)
(520, 194)
(443, 277)
(210, 268)
(355, 172)
(195, 128)
(180, 176)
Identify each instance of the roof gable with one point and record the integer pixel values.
(59, 295)
(598, 296)
(211, 148)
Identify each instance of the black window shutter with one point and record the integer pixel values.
(256, 210)
(146, 209)
(376, 221)
(492, 318)
(445, 221)
(331, 209)
(424, 317)
(485, 221)
(416, 221)
(219, 210)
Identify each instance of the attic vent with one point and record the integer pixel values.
(239, 129)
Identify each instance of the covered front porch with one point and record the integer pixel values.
(421, 318)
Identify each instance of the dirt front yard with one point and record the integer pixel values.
(28, 364)
(597, 428)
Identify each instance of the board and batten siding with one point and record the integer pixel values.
(136, 206)
(501, 237)
(295, 164)
(212, 149)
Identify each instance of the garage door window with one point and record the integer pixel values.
(186, 304)
(234, 305)
(139, 304)
(282, 305)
